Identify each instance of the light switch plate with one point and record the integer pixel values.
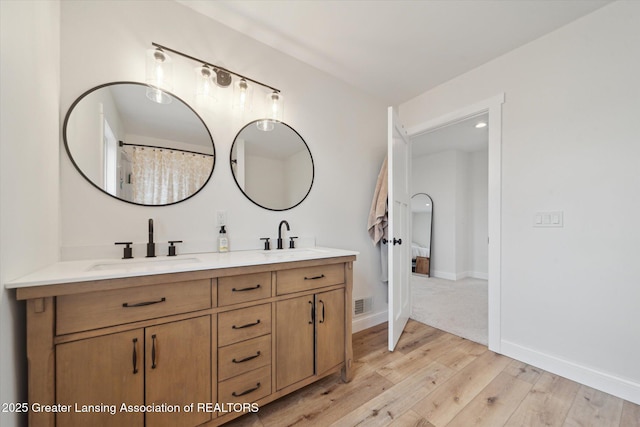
(221, 218)
(548, 219)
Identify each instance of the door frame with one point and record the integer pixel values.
(492, 106)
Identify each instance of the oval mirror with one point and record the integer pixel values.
(421, 228)
(274, 168)
(138, 150)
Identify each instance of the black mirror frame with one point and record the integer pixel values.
(313, 167)
(66, 145)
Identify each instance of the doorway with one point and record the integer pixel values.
(493, 108)
(450, 163)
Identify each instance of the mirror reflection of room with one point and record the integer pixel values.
(421, 221)
(137, 150)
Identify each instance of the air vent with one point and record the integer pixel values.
(362, 306)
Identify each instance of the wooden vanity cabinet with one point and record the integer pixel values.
(221, 336)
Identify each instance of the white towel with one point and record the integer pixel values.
(377, 223)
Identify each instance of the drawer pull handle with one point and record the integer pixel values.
(253, 288)
(142, 304)
(135, 355)
(246, 359)
(314, 277)
(247, 325)
(234, 394)
(153, 351)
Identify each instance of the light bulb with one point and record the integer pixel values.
(242, 95)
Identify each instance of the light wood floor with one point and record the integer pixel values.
(438, 379)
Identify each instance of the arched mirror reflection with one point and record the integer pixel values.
(137, 150)
(273, 168)
(421, 228)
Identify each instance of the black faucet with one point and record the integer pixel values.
(151, 247)
(280, 232)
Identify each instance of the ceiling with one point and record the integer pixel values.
(461, 136)
(399, 49)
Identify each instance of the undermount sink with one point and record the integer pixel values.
(293, 252)
(142, 264)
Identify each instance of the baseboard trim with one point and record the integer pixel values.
(361, 323)
(602, 381)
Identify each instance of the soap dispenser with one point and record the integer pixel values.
(223, 240)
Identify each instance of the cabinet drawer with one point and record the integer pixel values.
(302, 279)
(94, 310)
(243, 324)
(248, 287)
(247, 387)
(244, 356)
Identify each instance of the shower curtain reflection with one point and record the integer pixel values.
(163, 176)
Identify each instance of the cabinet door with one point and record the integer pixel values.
(105, 372)
(330, 330)
(178, 370)
(294, 340)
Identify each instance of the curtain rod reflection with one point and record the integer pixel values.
(122, 144)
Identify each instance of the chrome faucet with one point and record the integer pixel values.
(280, 232)
(151, 247)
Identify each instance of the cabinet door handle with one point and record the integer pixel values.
(257, 322)
(253, 288)
(322, 320)
(234, 394)
(312, 313)
(314, 277)
(153, 351)
(246, 359)
(135, 355)
(142, 304)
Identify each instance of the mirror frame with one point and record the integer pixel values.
(313, 166)
(86, 93)
(430, 233)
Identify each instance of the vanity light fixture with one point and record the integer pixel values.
(208, 76)
(481, 125)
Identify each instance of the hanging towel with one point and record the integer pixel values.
(377, 224)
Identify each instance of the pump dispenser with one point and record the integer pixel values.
(223, 241)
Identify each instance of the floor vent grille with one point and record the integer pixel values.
(362, 306)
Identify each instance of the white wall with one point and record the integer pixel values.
(569, 143)
(104, 41)
(29, 189)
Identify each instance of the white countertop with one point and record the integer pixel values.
(100, 269)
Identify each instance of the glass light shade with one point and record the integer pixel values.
(159, 69)
(275, 106)
(159, 75)
(274, 113)
(205, 85)
(242, 95)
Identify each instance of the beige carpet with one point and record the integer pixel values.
(458, 307)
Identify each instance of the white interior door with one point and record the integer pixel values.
(399, 227)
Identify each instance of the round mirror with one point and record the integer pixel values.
(138, 150)
(421, 227)
(273, 168)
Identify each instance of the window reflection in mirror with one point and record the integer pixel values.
(274, 169)
(137, 150)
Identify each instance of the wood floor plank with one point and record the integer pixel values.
(397, 400)
(523, 372)
(630, 415)
(410, 419)
(401, 368)
(441, 406)
(416, 334)
(547, 404)
(494, 404)
(593, 408)
(463, 354)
